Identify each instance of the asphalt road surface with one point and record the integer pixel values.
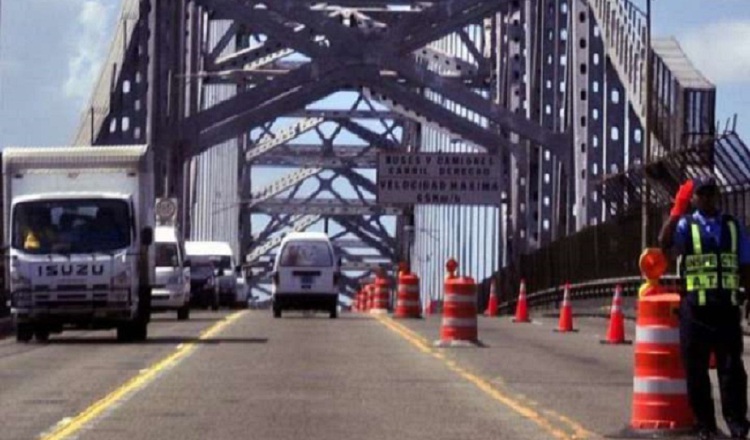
(229, 375)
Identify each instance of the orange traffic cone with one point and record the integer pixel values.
(566, 313)
(616, 329)
(522, 311)
(492, 305)
(712, 361)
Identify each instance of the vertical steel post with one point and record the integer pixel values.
(646, 130)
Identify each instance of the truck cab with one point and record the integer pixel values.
(78, 228)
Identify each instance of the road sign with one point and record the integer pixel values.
(439, 178)
(166, 211)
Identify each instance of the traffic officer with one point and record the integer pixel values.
(714, 260)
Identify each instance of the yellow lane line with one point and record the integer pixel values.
(145, 377)
(487, 387)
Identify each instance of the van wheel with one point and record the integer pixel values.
(334, 313)
(140, 331)
(24, 333)
(124, 333)
(276, 312)
(183, 313)
(41, 335)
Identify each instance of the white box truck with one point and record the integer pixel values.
(78, 227)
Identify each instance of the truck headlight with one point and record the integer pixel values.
(121, 280)
(22, 299)
(19, 281)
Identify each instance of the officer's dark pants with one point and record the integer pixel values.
(704, 329)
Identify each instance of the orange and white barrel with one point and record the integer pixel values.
(407, 296)
(362, 298)
(459, 324)
(381, 295)
(660, 401)
(370, 292)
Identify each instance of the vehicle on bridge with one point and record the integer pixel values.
(172, 288)
(306, 274)
(79, 228)
(214, 261)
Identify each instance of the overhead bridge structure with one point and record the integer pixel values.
(268, 116)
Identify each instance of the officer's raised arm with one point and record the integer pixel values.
(681, 206)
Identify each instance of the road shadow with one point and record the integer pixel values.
(156, 340)
(191, 319)
(318, 317)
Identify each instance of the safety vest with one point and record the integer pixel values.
(710, 270)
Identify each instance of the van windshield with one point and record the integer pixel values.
(70, 226)
(166, 255)
(306, 254)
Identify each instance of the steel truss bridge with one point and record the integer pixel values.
(267, 116)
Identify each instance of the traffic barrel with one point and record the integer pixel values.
(407, 300)
(459, 324)
(522, 310)
(428, 307)
(381, 295)
(565, 323)
(492, 305)
(362, 298)
(370, 292)
(616, 329)
(660, 401)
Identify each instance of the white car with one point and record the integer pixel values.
(242, 292)
(171, 290)
(306, 274)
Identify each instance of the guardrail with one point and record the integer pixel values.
(596, 289)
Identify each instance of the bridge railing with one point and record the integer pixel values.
(605, 251)
(596, 289)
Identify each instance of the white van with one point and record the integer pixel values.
(219, 257)
(172, 288)
(306, 274)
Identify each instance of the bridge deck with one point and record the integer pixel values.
(308, 376)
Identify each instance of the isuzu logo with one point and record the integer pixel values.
(81, 270)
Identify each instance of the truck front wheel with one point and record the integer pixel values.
(24, 333)
(183, 313)
(132, 332)
(140, 331)
(41, 334)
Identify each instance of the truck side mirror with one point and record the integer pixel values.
(147, 236)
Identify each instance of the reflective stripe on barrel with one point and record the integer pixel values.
(657, 335)
(654, 385)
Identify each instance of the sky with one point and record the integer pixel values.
(50, 52)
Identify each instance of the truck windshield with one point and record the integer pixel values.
(71, 226)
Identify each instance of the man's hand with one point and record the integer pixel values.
(682, 199)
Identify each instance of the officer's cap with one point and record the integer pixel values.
(705, 184)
